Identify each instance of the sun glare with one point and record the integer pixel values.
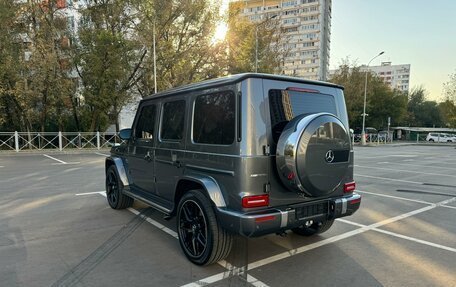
(222, 27)
(220, 32)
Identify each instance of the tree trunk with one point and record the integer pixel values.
(75, 112)
(94, 121)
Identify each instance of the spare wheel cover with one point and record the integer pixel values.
(313, 154)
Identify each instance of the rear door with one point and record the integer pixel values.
(170, 151)
(286, 100)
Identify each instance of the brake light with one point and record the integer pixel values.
(255, 201)
(302, 90)
(349, 187)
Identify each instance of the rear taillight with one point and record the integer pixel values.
(349, 187)
(255, 201)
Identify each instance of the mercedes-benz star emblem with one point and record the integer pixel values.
(329, 156)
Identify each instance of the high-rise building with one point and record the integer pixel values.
(307, 25)
(396, 76)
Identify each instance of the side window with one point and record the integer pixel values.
(172, 126)
(146, 123)
(214, 119)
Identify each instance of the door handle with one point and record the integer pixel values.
(147, 156)
(177, 164)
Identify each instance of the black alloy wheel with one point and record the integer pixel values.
(112, 189)
(201, 237)
(193, 228)
(116, 199)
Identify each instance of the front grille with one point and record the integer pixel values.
(311, 210)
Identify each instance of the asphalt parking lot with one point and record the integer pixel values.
(56, 229)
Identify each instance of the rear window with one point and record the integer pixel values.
(285, 105)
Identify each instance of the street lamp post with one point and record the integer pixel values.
(363, 132)
(256, 40)
(155, 63)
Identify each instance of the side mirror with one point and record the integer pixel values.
(125, 134)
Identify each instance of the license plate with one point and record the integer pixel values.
(312, 210)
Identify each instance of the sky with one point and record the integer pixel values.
(416, 32)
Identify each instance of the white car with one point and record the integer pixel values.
(439, 137)
(452, 136)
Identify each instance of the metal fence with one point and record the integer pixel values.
(18, 141)
(380, 138)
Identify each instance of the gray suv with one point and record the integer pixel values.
(249, 154)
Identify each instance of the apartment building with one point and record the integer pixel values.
(307, 24)
(396, 76)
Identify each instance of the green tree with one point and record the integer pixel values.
(107, 58)
(381, 101)
(185, 51)
(448, 113)
(448, 107)
(33, 65)
(422, 113)
(241, 43)
(13, 109)
(449, 89)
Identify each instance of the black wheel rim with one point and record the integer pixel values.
(193, 228)
(112, 188)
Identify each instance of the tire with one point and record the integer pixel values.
(201, 237)
(314, 228)
(116, 199)
(431, 140)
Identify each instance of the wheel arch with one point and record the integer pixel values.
(121, 171)
(208, 184)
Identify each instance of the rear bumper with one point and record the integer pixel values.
(275, 220)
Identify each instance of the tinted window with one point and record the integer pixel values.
(172, 127)
(285, 105)
(146, 123)
(214, 119)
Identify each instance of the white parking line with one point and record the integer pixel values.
(327, 241)
(418, 165)
(56, 159)
(401, 236)
(404, 170)
(395, 197)
(233, 271)
(73, 162)
(223, 263)
(389, 179)
(95, 192)
(448, 206)
(102, 154)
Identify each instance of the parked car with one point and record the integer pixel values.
(439, 137)
(452, 137)
(249, 154)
